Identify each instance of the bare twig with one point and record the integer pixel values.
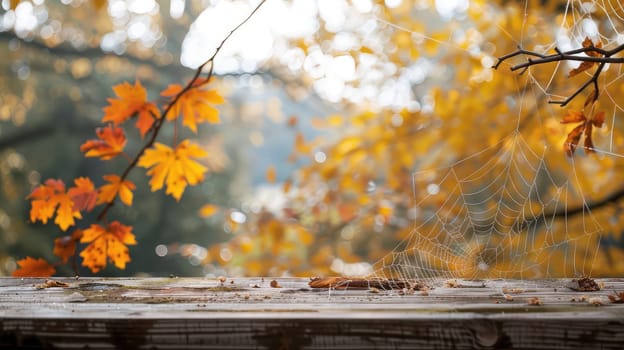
(536, 58)
(192, 84)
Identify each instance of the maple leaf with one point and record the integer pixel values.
(195, 105)
(65, 246)
(30, 267)
(585, 127)
(109, 192)
(83, 194)
(50, 198)
(175, 168)
(585, 65)
(132, 100)
(110, 143)
(106, 243)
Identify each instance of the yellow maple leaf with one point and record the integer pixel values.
(195, 105)
(116, 187)
(175, 168)
(106, 243)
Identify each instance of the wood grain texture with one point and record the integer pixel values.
(194, 313)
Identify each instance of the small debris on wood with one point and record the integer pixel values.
(584, 284)
(596, 301)
(51, 283)
(617, 298)
(275, 284)
(222, 279)
(536, 301)
(508, 297)
(254, 285)
(231, 281)
(452, 284)
(406, 291)
(343, 283)
(512, 291)
(373, 290)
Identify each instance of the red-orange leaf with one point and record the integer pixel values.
(107, 243)
(589, 143)
(585, 127)
(175, 168)
(50, 198)
(585, 65)
(589, 43)
(571, 142)
(115, 188)
(65, 246)
(573, 116)
(110, 143)
(195, 105)
(598, 119)
(83, 194)
(30, 267)
(131, 100)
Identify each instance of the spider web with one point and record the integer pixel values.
(507, 211)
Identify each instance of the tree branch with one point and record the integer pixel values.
(194, 83)
(569, 212)
(90, 52)
(571, 55)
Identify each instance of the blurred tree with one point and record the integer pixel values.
(434, 102)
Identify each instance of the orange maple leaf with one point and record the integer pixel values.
(83, 194)
(30, 267)
(65, 246)
(195, 105)
(175, 168)
(110, 143)
(50, 198)
(131, 100)
(109, 192)
(107, 243)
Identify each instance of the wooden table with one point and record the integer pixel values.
(175, 313)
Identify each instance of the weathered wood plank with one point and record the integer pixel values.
(248, 313)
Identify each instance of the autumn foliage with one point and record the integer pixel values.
(354, 198)
(174, 167)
